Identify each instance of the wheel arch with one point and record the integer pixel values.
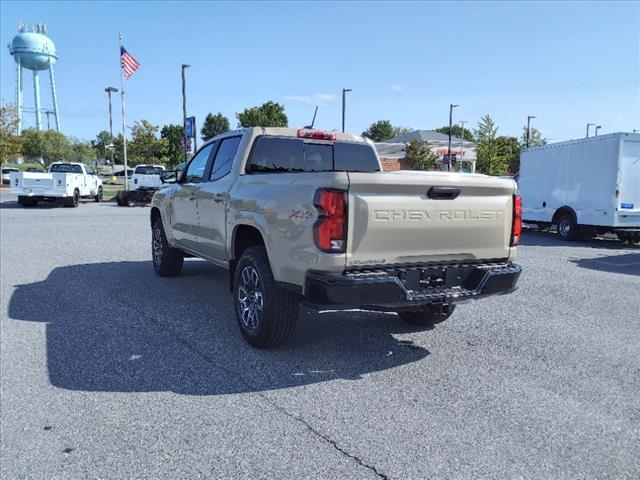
(244, 236)
(563, 210)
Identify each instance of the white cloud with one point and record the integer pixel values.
(397, 88)
(317, 99)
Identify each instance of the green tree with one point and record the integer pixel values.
(509, 148)
(100, 144)
(50, 146)
(269, 114)
(535, 138)
(456, 131)
(380, 131)
(419, 156)
(145, 146)
(10, 143)
(81, 151)
(214, 125)
(491, 156)
(173, 135)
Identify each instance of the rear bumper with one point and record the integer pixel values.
(411, 287)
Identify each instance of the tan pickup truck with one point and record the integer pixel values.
(308, 216)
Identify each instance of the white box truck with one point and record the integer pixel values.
(585, 187)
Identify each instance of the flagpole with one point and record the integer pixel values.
(124, 133)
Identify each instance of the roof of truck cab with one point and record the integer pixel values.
(293, 132)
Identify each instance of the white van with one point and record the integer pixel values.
(585, 187)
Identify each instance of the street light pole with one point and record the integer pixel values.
(598, 128)
(184, 111)
(109, 91)
(589, 125)
(529, 117)
(451, 107)
(344, 101)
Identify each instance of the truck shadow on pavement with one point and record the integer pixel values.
(118, 327)
(628, 264)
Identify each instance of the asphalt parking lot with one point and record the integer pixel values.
(108, 371)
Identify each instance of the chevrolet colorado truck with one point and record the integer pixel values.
(308, 216)
(66, 183)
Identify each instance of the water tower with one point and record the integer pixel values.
(33, 50)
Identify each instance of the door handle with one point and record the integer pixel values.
(443, 193)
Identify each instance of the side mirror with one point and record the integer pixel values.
(171, 176)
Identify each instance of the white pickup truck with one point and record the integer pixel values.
(66, 182)
(145, 181)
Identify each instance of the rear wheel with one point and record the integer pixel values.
(123, 199)
(433, 314)
(632, 238)
(567, 227)
(167, 261)
(266, 313)
(99, 196)
(27, 202)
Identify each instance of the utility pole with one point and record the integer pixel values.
(109, 91)
(184, 111)
(344, 100)
(529, 117)
(589, 125)
(598, 128)
(451, 107)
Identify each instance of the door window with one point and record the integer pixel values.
(198, 164)
(224, 158)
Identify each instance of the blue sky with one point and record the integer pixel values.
(568, 63)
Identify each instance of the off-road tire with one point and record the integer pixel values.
(429, 316)
(280, 307)
(167, 261)
(98, 197)
(568, 229)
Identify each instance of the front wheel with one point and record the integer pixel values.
(433, 314)
(266, 313)
(167, 261)
(99, 196)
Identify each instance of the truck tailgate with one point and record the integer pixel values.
(394, 220)
(37, 180)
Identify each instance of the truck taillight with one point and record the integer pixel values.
(330, 230)
(316, 134)
(516, 226)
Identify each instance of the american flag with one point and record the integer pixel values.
(128, 63)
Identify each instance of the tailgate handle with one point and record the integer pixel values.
(444, 193)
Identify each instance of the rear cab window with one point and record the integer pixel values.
(287, 154)
(65, 168)
(148, 170)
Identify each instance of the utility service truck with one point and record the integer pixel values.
(585, 187)
(308, 216)
(66, 183)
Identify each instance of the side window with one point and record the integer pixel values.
(195, 170)
(355, 157)
(224, 158)
(274, 154)
(89, 170)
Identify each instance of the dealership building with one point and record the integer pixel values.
(463, 152)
